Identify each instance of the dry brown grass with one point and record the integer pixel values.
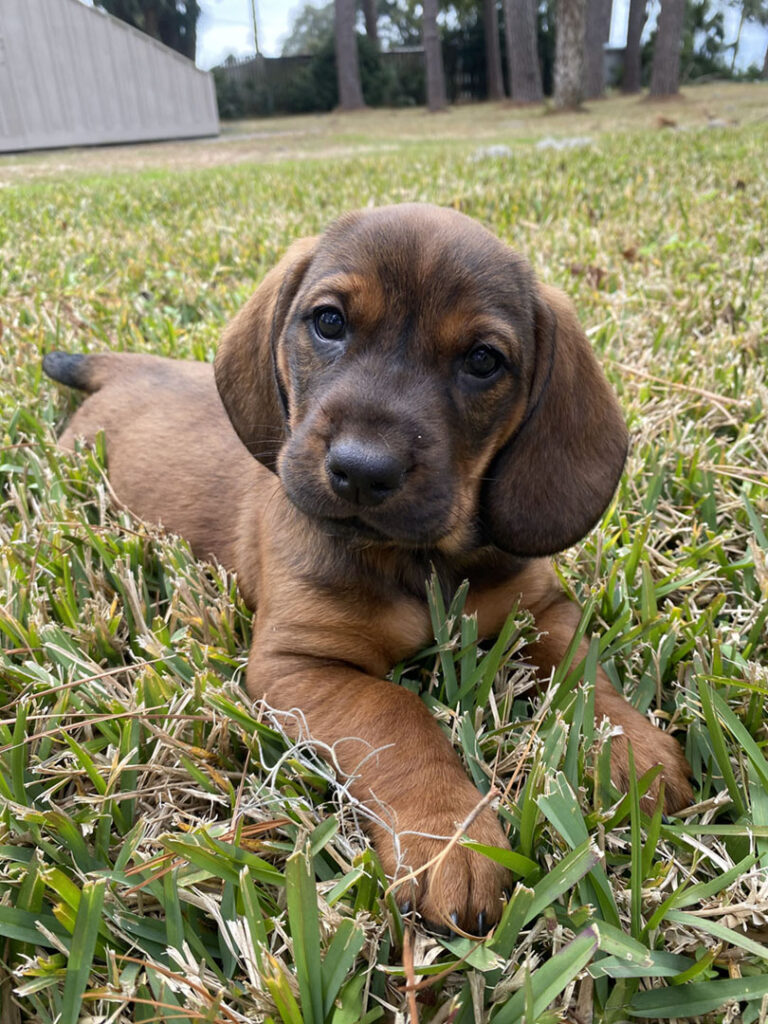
(333, 136)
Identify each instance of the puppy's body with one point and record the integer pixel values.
(401, 442)
(146, 405)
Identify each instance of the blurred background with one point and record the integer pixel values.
(76, 72)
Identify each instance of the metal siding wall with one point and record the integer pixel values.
(10, 115)
(73, 76)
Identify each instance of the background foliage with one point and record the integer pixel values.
(705, 53)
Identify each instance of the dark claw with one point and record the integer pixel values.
(481, 923)
(455, 919)
(664, 819)
(507, 894)
(405, 909)
(695, 784)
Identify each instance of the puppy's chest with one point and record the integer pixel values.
(383, 610)
(395, 630)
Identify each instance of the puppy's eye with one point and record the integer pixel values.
(482, 361)
(329, 323)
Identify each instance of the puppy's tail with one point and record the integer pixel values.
(84, 372)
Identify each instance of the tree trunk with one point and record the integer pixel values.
(523, 67)
(631, 79)
(569, 54)
(433, 56)
(665, 75)
(765, 63)
(347, 64)
(187, 29)
(371, 21)
(193, 13)
(493, 74)
(596, 32)
(737, 40)
(152, 22)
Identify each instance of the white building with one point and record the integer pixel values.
(71, 75)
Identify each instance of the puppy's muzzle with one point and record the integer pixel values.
(363, 473)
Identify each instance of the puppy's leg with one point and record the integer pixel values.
(557, 621)
(536, 587)
(405, 770)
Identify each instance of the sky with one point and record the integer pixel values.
(225, 27)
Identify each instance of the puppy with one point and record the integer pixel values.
(398, 394)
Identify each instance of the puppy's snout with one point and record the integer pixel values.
(363, 473)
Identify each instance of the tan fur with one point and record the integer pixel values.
(335, 610)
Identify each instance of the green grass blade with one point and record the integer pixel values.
(442, 630)
(174, 924)
(658, 965)
(254, 917)
(720, 931)
(521, 866)
(21, 925)
(717, 738)
(305, 929)
(636, 853)
(549, 980)
(82, 949)
(563, 810)
(339, 958)
(693, 1000)
(573, 867)
(748, 745)
(513, 918)
(755, 521)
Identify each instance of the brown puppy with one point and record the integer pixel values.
(405, 395)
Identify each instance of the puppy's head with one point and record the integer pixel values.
(413, 384)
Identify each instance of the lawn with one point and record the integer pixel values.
(166, 854)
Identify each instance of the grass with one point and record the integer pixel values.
(166, 854)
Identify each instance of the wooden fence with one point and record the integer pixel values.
(265, 80)
(262, 85)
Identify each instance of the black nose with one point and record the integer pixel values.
(362, 473)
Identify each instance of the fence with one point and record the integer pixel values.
(266, 85)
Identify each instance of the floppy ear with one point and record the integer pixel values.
(245, 370)
(551, 482)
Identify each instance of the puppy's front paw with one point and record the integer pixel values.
(454, 885)
(650, 747)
